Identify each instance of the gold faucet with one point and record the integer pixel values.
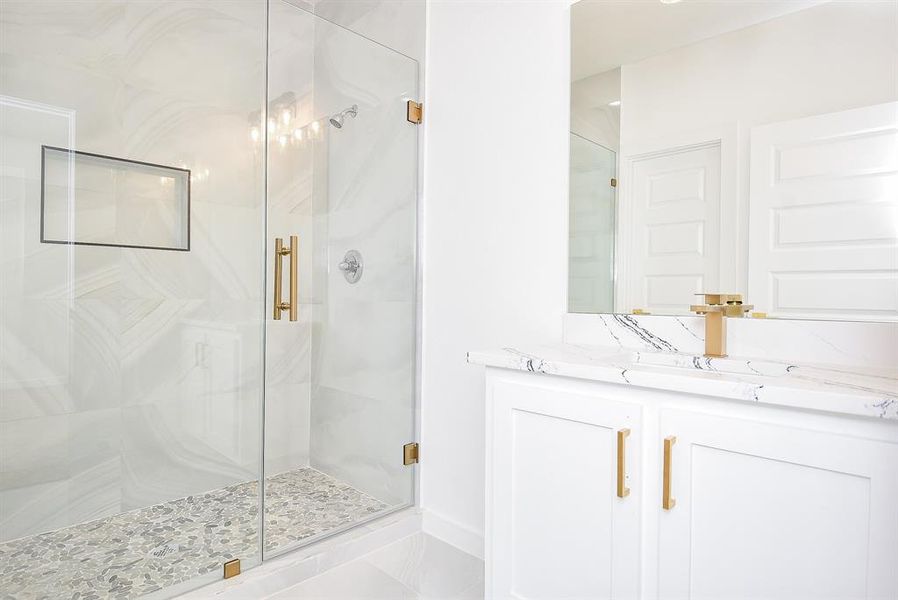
(717, 308)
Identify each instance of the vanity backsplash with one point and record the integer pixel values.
(835, 343)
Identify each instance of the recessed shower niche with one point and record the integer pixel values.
(98, 200)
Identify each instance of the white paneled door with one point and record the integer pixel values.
(560, 526)
(823, 231)
(671, 247)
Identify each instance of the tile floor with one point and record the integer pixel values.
(146, 550)
(418, 567)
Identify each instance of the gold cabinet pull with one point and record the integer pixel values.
(280, 252)
(622, 490)
(667, 502)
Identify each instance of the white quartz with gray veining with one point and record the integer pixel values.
(869, 393)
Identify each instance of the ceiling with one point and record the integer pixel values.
(606, 34)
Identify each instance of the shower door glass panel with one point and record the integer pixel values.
(342, 176)
(130, 378)
(592, 217)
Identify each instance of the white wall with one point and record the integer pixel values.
(495, 241)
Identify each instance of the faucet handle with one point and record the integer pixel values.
(718, 299)
(736, 310)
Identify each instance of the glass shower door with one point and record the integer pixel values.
(593, 209)
(342, 177)
(145, 175)
(131, 294)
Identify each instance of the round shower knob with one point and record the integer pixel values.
(351, 265)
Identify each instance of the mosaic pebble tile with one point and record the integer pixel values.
(145, 550)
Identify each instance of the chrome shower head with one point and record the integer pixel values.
(338, 119)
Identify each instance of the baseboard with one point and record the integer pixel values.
(452, 532)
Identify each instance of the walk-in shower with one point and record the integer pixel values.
(156, 420)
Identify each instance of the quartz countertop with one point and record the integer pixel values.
(868, 393)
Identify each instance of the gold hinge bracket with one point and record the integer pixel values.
(232, 568)
(410, 453)
(613, 182)
(414, 112)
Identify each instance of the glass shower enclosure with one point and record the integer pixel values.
(207, 289)
(592, 218)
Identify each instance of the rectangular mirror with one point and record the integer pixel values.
(736, 147)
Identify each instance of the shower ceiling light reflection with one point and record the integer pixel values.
(283, 128)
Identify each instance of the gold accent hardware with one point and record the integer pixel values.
(280, 251)
(613, 182)
(232, 568)
(622, 490)
(667, 502)
(414, 112)
(278, 274)
(410, 453)
(640, 311)
(758, 315)
(716, 309)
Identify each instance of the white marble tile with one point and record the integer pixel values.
(29, 509)
(287, 427)
(430, 567)
(363, 358)
(352, 581)
(398, 24)
(359, 439)
(34, 358)
(95, 378)
(368, 349)
(59, 470)
(24, 462)
(172, 450)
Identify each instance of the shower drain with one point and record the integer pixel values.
(164, 550)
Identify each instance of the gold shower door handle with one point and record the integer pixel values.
(622, 490)
(667, 502)
(280, 252)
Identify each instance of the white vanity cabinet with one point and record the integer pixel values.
(563, 523)
(771, 503)
(776, 511)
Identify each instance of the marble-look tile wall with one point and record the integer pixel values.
(362, 404)
(292, 179)
(129, 377)
(397, 24)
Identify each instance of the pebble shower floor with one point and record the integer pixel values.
(145, 550)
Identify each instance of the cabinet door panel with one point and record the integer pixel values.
(766, 511)
(558, 528)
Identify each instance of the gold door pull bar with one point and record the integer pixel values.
(622, 490)
(667, 502)
(292, 305)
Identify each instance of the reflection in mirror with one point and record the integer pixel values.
(755, 150)
(591, 276)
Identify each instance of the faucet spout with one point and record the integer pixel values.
(716, 309)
